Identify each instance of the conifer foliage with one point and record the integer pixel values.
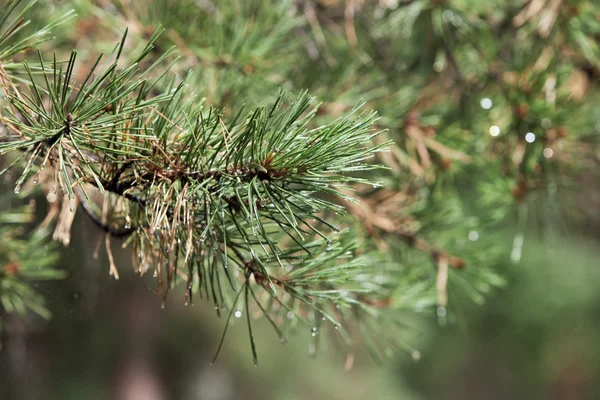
(181, 142)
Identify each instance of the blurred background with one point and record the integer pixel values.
(111, 339)
(108, 339)
(537, 337)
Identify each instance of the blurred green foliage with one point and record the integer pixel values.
(460, 88)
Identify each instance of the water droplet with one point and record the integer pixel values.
(238, 314)
(324, 319)
(515, 254)
(337, 306)
(486, 103)
(448, 16)
(290, 315)
(336, 326)
(416, 355)
(441, 311)
(314, 331)
(329, 243)
(494, 130)
(17, 189)
(546, 123)
(548, 152)
(530, 137)
(202, 238)
(127, 226)
(36, 178)
(473, 236)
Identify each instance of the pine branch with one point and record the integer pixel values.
(25, 258)
(244, 204)
(195, 191)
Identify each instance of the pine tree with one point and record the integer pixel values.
(197, 142)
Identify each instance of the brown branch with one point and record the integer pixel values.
(436, 254)
(89, 211)
(381, 225)
(249, 267)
